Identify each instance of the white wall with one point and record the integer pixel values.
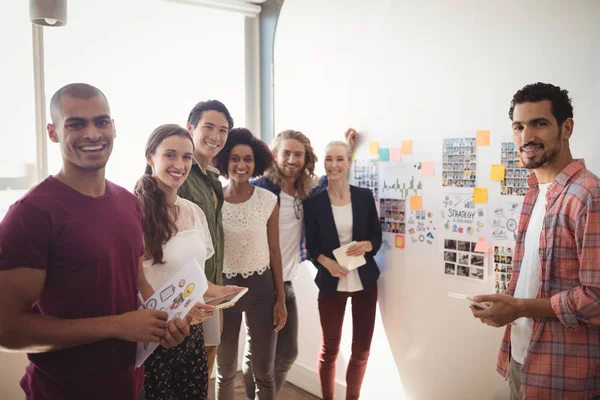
(399, 70)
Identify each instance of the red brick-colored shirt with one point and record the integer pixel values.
(563, 358)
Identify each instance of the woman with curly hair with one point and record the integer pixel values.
(252, 258)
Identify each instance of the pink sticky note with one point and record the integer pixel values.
(482, 246)
(427, 168)
(396, 154)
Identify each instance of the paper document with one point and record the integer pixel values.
(347, 262)
(176, 297)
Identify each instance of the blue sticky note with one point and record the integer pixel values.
(384, 154)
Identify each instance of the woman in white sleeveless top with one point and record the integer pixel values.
(252, 259)
(175, 232)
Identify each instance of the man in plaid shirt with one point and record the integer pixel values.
(552, 350)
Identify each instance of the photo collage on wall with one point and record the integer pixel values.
(503, 258)
(515, 177)
(366, 175)
(461, 260)
(459, 162)
(392, 215)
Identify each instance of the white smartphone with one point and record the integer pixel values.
(228, 300)
(481, 306)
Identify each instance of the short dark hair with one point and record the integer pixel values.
(76, 90)
(263, 158)
(536, 92)
(209, 105)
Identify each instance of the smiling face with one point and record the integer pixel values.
(537, 136)
(291, 157)
(171, 162)
(210, 134)
(241, 164)
(337, 163)
(85, 132)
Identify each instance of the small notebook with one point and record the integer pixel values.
(349, 263)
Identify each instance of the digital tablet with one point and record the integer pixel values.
(228, 300)
(481, 306)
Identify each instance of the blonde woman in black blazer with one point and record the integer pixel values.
(333, 218)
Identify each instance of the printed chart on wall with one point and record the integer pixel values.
(399, 180)
(461, 260)
(503, 258)
(461, 217)
(459, 162)
(366, 175)
(392, 215)
(505, 220)
(421, 226)
(515, 177)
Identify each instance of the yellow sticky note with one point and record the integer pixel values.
(374, 148)
(483, 138)
(406, 147)
(480, 195)
(416, 202)
(497, 172)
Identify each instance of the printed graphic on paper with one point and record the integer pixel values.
(366, 175)
(503, 261)
(399, 180)
(176, 297)
(392, 215)
(462, 217)
(515, 177)
(459, 162)
(505, 220)
(421, 227)
(461, 260)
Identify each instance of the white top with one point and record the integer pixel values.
(191, 241)
(342, 216)
(245, 228)
(529, 276)
(290, 235)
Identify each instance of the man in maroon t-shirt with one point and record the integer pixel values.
(70, 255)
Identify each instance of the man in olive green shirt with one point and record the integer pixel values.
(209, 123)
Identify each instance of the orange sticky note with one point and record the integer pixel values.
(483, 138)
(407, 147)
(395, 155)
(497, 172)
(480, 195)
(416, 202)
(374, 148)
(427, 168)
(521, 163)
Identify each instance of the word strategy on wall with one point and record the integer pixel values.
(459, 162)
(515, 178)
(462, 217)
(461, 260)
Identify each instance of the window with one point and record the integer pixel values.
(154, 60)
(17, 112)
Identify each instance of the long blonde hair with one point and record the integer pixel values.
(306, 179)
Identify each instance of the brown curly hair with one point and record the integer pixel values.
(306, 180)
